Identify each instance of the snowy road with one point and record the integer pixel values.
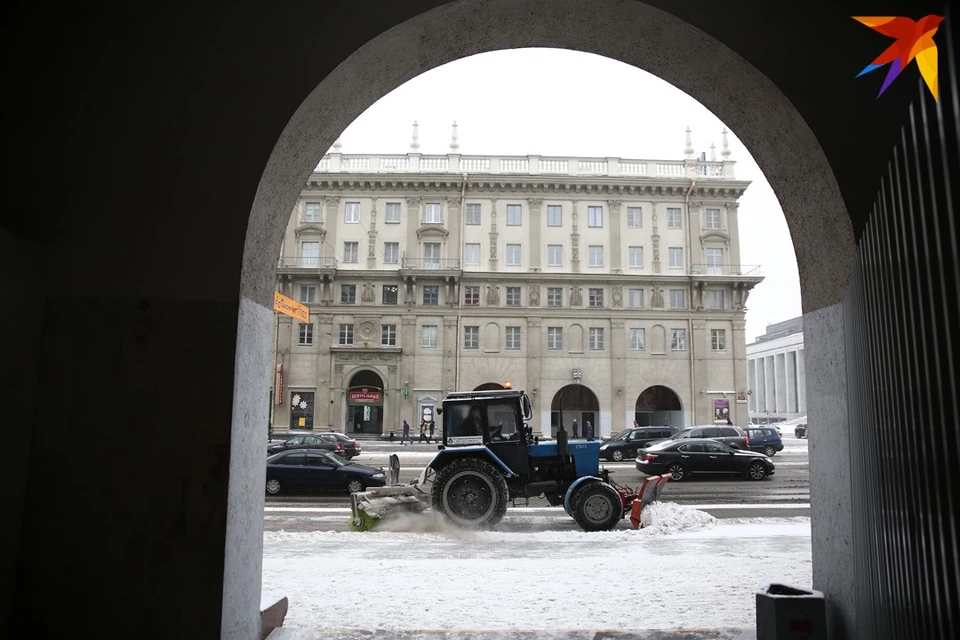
(671, 575)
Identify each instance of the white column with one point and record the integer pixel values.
(802, 383)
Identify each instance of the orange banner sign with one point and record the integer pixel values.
(290, 307)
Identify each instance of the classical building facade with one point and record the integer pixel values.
(775, 369)
(609, 289)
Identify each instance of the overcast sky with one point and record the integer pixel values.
(558, 102)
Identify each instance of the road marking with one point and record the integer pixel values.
(772, 505)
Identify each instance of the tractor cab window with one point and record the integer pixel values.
(502, 420)
(463, 424)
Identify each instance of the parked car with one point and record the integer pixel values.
(765, 440)
(626, 443)
(351, 448)
(315, 469)
(324, 441)
(732, 436)
(701, 456)
(800, 431)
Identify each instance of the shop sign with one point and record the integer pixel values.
(365, 396)
(741, 399)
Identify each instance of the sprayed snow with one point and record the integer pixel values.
(428, 575)
(668, 518)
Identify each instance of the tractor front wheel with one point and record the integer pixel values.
(470, 492)
(597, 507)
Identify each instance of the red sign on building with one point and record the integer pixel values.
(365, 396)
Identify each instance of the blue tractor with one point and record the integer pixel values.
(489, 458)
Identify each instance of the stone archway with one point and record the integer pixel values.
(631, 32)
(489, 386)
(659, 405)
(575, 402)
(365, 403)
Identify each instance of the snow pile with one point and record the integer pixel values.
(669, 518)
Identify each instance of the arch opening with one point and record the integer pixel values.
(658, 405)
(577, 405)
(365, 403)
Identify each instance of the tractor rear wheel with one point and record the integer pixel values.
(470, 492)
(597, 507)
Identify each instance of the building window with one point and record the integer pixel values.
(429, 335)
(677, 300)
(431, 255)
(471, 296)
(635, 256)
(715, 262)
(636, 298)
(674, 220)
(595, 253)
(351, 213)
(514, 215)
(554, 296)
(513, 255)
(306, 334)
(715, 299)
(554, 337)
(391, 252)
(718, 339)
(301, 409)
(312, 212)
(712, 220)
(513, 296)
(351, 251)
(431, 296)
(638, 339)
(596, 338)
(595, 217)
(678, 339)
(346, 334)
(634, 218)
(675, 256)
(392, 214)
(390, 292)
(348, 294)
(471, 337)
(513, 337)
(309, 254)
(554, 255)
(388, 335)
(308, 293)
(432, 213)
(554, 215)
(596, 297)
(471, 254)
(473, 213)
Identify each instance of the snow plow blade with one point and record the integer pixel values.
(649, 492)
(375, 504)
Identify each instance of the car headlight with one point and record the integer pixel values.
(603, 447)
(379, 476)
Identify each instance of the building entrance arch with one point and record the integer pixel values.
(364, 403)
(489, 386)
(574, 402)
(659, 405)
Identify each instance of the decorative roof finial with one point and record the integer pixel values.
(688, 151)
(414, 145)
(713, 152)
(337, 145)
(726, 145)
(454, 145)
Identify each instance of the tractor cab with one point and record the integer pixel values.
(492, 419)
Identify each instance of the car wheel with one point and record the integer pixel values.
(617, 455)
(757, 471)
(355, 486)
(273, 486)
(470, 493)
(769, 452)
(677, 471)
(597, 506)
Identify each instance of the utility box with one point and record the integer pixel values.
(789, 613)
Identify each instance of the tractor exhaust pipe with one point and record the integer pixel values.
(562, 434)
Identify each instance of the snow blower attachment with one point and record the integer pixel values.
(378, 503)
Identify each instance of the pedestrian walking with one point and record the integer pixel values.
(588, 430)
(636, 424)
(574, 427)
(423, 431)
(433, 425)
(406, 434)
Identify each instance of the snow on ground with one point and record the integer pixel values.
(685, 570)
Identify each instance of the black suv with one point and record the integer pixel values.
(626, 443)
(800, 431)
(732, 436)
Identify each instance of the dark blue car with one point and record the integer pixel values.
(318, 470)
(765, 440)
